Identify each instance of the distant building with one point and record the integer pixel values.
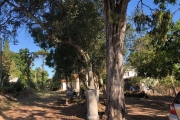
(63, 84)
(13, 80)
(75, 82)
(130, 73)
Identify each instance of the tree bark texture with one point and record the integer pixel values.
(115, 19)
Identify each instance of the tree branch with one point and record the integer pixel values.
(30, 15)
(142, 4)
(9, 17)
(176, 11)
(2, 3)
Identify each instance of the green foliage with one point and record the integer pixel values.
(6, 60)
(18, 64)
(72, 20)
(56, 84)
(9, 69)
(13, 66)
(164, 1)
(104, 77)
(27, 59)
(98, 59)
(82, 29)
(38, 75)
(77, 23)
(39, 81)
(150, 82)
(42, 53)
(157, 24)
(166, 81)
(176, 71)
(20, 85)
(141, 20)
(21, 67)
(66, 59)
(135, 81)
(154, 60)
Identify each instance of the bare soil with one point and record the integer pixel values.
(153, 108)
(51, 106)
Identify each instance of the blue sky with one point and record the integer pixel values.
(25, 40)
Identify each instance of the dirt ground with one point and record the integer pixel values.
(153, 108)
(51, 106)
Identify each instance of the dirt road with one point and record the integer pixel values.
(47, 106)
(154, 108)
(50, 106)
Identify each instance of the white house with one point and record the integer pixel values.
(130, 73)
(13, 80)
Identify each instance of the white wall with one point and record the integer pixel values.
(129, 73)
(64, 86)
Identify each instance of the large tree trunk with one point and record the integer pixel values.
(115, 19)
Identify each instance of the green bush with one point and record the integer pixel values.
(19, 86)
(135, 81)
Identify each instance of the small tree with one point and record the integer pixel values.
(43, 54)
(6, 63)
(27, 60)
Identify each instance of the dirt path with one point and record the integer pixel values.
(154, 108)
(50, 106)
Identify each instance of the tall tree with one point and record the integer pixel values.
(76, 29)
(57, 22)
(6, 62)
(115, 19)
(27, 59)
(38, 79)
(66, 61)
(42, 54)
(9, 69)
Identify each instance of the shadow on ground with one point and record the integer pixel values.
(48, 106)
(154, 108)
(51, 106)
